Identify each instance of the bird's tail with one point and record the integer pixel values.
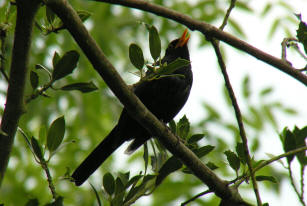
(98, 156)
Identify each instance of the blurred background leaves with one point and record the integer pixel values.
(90, 116)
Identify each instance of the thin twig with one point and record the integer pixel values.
(38, 92)
(238, 117)
(293, 185)
(296, 47)
(41, 161)
(196, 197)
(289, 153)
(287, 42)
(211, 31)
(239, 180)
(226, 17)
(45, 167)
(284, 45)
(302, 184)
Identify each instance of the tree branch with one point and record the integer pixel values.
(289, 153)
(226, 17)
(133, 105)
(26, 10)
(211, 31)
(238, 117)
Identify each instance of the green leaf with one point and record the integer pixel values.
(203, 151)
(171, 165)
(246, 87)
(211, 165)
(124, 177)
(289, 110)
(240, 152)
(173, 66)
(255, 144)
(34, 79)
(83, 87)
(243, 6)
(56, 134)
(274, 27)
(266, 178)
(154, 43)
(195, 138)
(236, 27)
(266, 91)
(56, 58)
(83, 15)
(42, 134)
(256, 119)
(301, 34)
(109, 183)
(212, 112)
(233, 160)
(65, 65)
(134, 180)
(135, 190)
(226, 97)
(119, 186)
(172, 126)
(300, 140)
(183, 127)
(41, 67)
(136, 56)
(267, 111)
(289, 143)
(266, 9)
(148, 178)
(36, 148)
(50, 15)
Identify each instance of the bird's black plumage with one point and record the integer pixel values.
(164, 97)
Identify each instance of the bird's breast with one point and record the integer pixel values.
(165, 97)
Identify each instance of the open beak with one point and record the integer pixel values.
(183, 39)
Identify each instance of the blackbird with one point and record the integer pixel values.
(164, 97)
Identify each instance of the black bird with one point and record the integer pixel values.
(164, 97)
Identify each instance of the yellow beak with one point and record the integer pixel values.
(183, 39)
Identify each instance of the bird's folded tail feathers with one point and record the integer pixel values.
(134, 145)
(98, 156)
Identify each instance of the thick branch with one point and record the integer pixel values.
(133, 104)
(211, 31)
(26, 10)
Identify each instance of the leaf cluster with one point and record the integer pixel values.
(156, 69)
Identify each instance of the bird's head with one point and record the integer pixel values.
(178, 47)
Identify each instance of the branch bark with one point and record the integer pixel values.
(134, 105)
(26, 10)
(238, 117)
(212, 32)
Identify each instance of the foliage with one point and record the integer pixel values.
(58, 68)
